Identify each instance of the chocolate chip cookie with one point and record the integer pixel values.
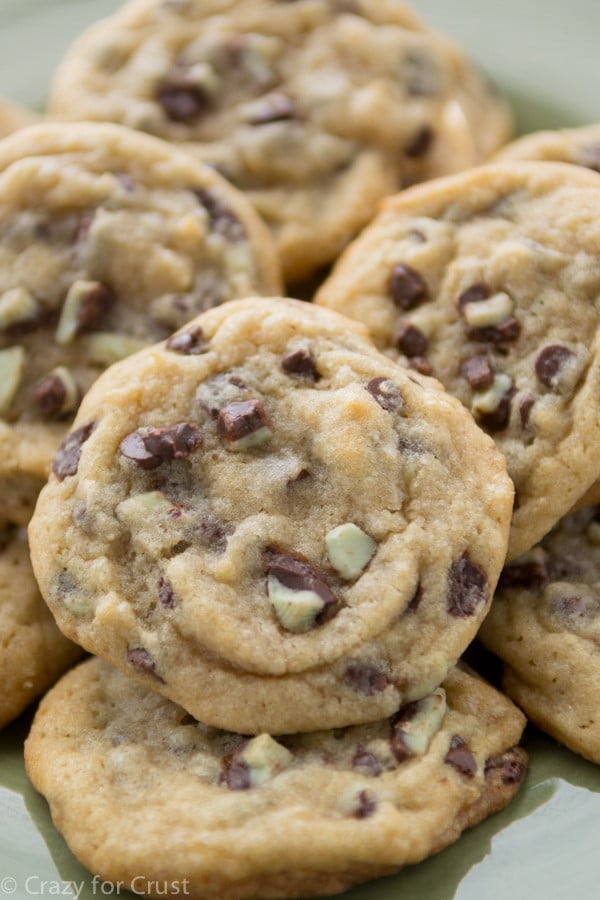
(33, 652)
(578, 146)
(545, 624)
(316, 109)
(266, 506)
(265, 817)
(490, 281)
(109, 241)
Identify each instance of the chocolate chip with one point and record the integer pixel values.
(421, 143)
(576, 607)
(220, 218)
(474, 294)
(235, 772)
(94, 305)
(150, 447)
(49, 396)
(460, 757)
(366, 679)
(140, 659)
(507, 332)
(528, 575)
(213, 534)
(297, 575)
(526, 404)
(511, 765)
(190, 343)
(410, 340)
(397, 741)
(478, 372)
(366, 762)
(166, 594)
(367, 805)
(497, 419)
(275, 107)
(181, 99)
(66, 460)
(238, 420)
(300, 362)
(406, 287)
(386, 392)
(467, 588)
(549, 363)
(421, 365)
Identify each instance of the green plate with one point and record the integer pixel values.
(545, 846)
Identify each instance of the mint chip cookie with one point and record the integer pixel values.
(267, 507)
(109, 241)
(490, 281)
(238, 817)
(316, 109)
(545, 624)
(33, 652)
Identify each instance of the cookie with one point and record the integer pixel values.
(490, 281)
(267, 506)
(316, 109)
(109, 241)
(13, 116)
(545, 624)
(236, 818)
(578, 146)
(33, 652)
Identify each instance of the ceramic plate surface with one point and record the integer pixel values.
(546, 844)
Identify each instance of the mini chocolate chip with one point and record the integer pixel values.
(406, 287)
(297, 575)
(150, 447)
(238, 420)
(300, 362)
(66, 460)
(460, 757)
(507, 332)
(421, 142)
(386, 392)
(366, 762)
(474, 294)
(366, 806)
(140, 659)
(550, 361)
(467, 588)
(49, 396)
(220, 218)
(526, 404)
(190, 343)
(166, 594)
(94, 305)
(478, 372)
(366, 679)
(181, 99)
(421, 365)
(275, 107)
(511, 763)
(416, 599)
(397, 742)
(410, 340)
(527, 575)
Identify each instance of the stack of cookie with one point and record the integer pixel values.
(292, 538)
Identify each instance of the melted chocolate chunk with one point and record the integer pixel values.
(511, 764)
(528, 575)
(474, 294)
(386, 392)
(150, 447)
(140, 659)
(478, 372)
(300, 362)
(190, 343)
(549, 363)
(411, 341)
(220, 218)
(460, 757)
(526, 404)
(166, 594)
(238, 420)
(366, 679)
(67, 457)
(94, 305)
(467, 588)
(406, 287)
(297, 575)
(421, 365)
(181, 99)
(275, 107)
(366, 806)
(366, 762)
(49, 396)
(421, 143)
(506, 332)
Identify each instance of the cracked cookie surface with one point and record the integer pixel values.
(293, 816)
(267, 505)
(316, 109)
(109, 241)
(545, 625)
(490, 281)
